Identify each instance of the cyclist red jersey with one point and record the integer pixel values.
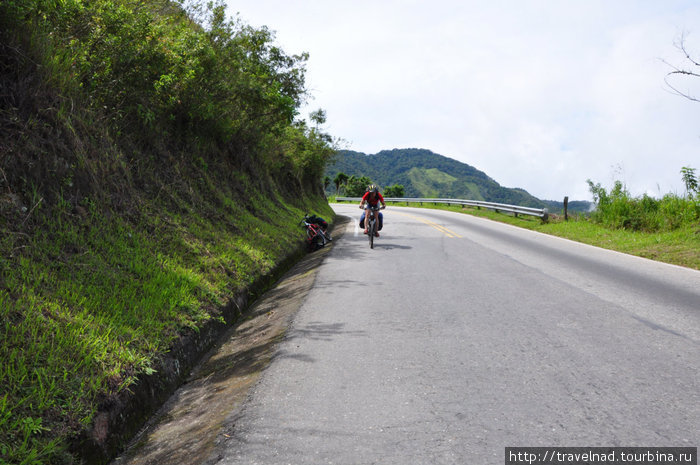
(373, 198)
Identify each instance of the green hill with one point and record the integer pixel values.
(427, 174)
(153, 173)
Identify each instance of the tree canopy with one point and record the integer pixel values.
(180, 70)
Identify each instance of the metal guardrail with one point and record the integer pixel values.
(499, 207)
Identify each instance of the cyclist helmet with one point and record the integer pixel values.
(372, 188)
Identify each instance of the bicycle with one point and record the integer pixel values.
(372, 226)
(316, 237)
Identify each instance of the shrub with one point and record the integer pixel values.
(617, 209)
(162, 75)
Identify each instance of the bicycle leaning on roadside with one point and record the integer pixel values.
(316, 236)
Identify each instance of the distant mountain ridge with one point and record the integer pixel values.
(427, 174)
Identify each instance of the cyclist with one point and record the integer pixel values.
(371, 198)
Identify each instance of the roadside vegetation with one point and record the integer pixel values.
(666, 229)
(87, 307)
(153, 166)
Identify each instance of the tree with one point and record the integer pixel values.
(600, 195)
(340, 180)
(690, 180)
(397, 190)
(356, 187)
(682, 72)
(318, 117)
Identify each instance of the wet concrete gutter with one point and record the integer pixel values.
(187, 428)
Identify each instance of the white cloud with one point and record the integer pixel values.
(539, 94)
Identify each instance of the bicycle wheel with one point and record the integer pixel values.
(311, 239)
(372, 229)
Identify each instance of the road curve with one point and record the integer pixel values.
(479, 336)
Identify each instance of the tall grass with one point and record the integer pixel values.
(617, 209)
(88, 306)
(151, 168)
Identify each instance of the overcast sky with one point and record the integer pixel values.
(540, 95)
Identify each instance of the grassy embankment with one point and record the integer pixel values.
(672, 234)
(151, 170)
(89, 306)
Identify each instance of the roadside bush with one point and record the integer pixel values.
(185, 73)
(678, 211)
(617, 209)
(151, 168)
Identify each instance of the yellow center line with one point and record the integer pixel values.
(439, 227)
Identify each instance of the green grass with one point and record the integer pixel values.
(87, 305)
(139, 180)
(680, 246)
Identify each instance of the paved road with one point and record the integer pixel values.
(480, 336)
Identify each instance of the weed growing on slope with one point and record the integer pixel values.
(618, 209)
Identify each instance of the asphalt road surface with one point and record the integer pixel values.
(457, 337)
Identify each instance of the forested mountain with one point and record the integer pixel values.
(427, 174)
